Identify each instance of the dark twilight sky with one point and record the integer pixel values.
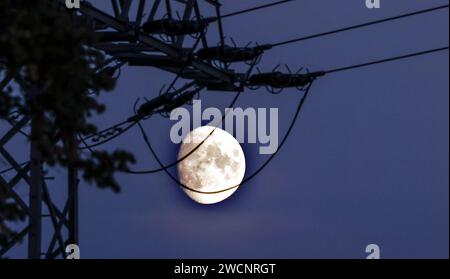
(367, 162)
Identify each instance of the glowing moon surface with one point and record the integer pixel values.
(218, 164)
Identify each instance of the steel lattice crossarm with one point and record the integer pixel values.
(126, 44)
(137, 44)
(160, 43)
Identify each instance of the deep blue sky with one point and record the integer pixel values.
(366, 163)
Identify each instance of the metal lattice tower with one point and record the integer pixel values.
(64, 220)
(146, 40)
(121, 40)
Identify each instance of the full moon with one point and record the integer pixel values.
(218, 164)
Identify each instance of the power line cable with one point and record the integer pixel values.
(279, 44)
(309, 37)
(301, 103)
(256, 8)
(291, 126)
(294, 120)
(386, 60)
(133, 119)
(165, 167)
(324, 72)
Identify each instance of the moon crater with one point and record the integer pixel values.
(217, 165)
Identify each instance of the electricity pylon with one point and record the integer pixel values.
(125, 43)
(64, 220)
(156, 41)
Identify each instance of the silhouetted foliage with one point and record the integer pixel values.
(47, 70)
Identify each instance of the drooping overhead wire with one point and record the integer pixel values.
(90, 149)
(117, 129)
(168, 166)
(357, 26)
(165, 169)
(299, 108)
(386, 60)
(334, 70)
(286, 136)
(131, 123)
